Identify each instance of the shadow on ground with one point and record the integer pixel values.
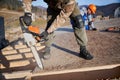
(65, 29)
(66, 50)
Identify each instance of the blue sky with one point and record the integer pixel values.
(81, 2)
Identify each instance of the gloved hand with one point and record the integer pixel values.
(27, 19)
(44, 35)
(89, 23)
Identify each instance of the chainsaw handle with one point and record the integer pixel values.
(22, 25)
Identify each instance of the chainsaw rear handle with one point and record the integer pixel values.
(20, 19)
(23, 27)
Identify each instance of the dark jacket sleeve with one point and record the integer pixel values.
(47, 1)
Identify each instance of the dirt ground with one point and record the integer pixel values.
(104, 46)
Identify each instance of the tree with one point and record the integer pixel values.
(11, 4)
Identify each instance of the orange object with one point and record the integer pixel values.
(34, 29)
(93, 8)
(111, 29)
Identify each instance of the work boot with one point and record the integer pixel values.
(94, 29)
(4, 43)
(46, 54)
(85, 54)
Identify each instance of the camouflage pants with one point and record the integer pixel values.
(80, 33)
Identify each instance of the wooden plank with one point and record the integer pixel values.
(9, 52)
(17, 64)
(20, 46)
(77, 70)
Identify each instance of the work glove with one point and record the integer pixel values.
(89, 23)
(44, 35)
(27, 19)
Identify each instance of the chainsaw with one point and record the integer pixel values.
(31, 35)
